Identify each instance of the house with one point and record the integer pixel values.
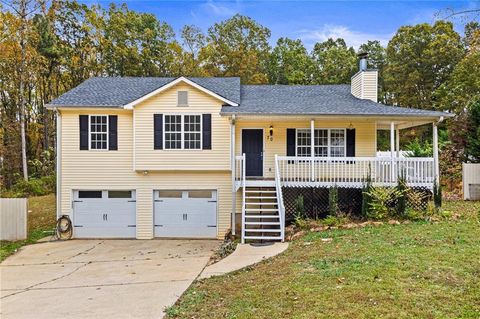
(194, 157)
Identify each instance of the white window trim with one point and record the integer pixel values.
(328, 139)
(182, 131)
(90, 134)
(188, 99)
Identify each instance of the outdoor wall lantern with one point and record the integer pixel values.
(270, 131)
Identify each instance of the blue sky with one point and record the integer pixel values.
(311, 21)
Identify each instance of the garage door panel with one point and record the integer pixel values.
(186, 213)
(104, 217)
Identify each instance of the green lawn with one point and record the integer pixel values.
(417, 270)
(41, 217)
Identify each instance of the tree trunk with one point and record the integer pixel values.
(23, 16)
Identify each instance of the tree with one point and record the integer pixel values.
(335, 63)
(289, 63)
(237, 47)
(463, 86)
(193, 40)
(23, 9)
(419, 59)
(472, 149)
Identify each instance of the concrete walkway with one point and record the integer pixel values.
(245, 255)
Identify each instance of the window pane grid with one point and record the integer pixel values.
(183, 132)
(303, 142)
(192, 131)
(327, 142)
(98, 132)
(173, 132)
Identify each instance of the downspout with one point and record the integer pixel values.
(233, 168)
(59, 161)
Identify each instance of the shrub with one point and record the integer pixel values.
(299, 208)
(333, 201)
(33, 187)
(334, 220)
(381, 199)
(402, 189)
(365, 190)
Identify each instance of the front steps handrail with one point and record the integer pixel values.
(243, 196)
(281, 207)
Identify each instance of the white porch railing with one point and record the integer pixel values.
(354, 171)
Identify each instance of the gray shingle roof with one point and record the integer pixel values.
(313, 100)
(117, 92)
(253, 99)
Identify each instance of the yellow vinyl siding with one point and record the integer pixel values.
(365, 141)
(356, 85)
(364, 85)
(146, 158)
(370, 90)
(98, 169)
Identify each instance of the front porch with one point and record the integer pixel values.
(289, 155)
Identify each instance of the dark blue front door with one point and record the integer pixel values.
(252, 146)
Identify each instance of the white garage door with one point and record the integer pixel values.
(180, 213)
(101, 213)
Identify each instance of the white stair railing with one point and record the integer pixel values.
(281, 207)
(243, 178)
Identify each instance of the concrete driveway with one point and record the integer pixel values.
(100, 278)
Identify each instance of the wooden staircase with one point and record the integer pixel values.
(261, 220)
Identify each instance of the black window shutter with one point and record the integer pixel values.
(291, 141)
(207, 131)
(158, 131)
(112, 132)
(351, 142)
(83, 119)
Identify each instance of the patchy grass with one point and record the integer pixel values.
(41, 217)
(417, 270)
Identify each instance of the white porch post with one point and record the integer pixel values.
(397, 141)
(312, 148)
(436, 165)
(233, 167)
(392, 151)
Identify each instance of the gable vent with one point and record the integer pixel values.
(182, 98)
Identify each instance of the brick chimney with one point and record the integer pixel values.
(365, 82)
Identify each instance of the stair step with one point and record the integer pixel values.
(261, 216)
(264, 237)
(260, 196)
(262, 223)
(259, 191)
(261, 209)
(262, 230)
(264, 203)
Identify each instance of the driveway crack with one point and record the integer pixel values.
(56, 278)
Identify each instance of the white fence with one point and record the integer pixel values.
(13, 219)
(471, 181)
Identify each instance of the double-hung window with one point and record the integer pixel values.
(327, 142)
(98, 132)
(183, 132)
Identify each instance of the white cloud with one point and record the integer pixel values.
(351, 37)
(218, 10)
